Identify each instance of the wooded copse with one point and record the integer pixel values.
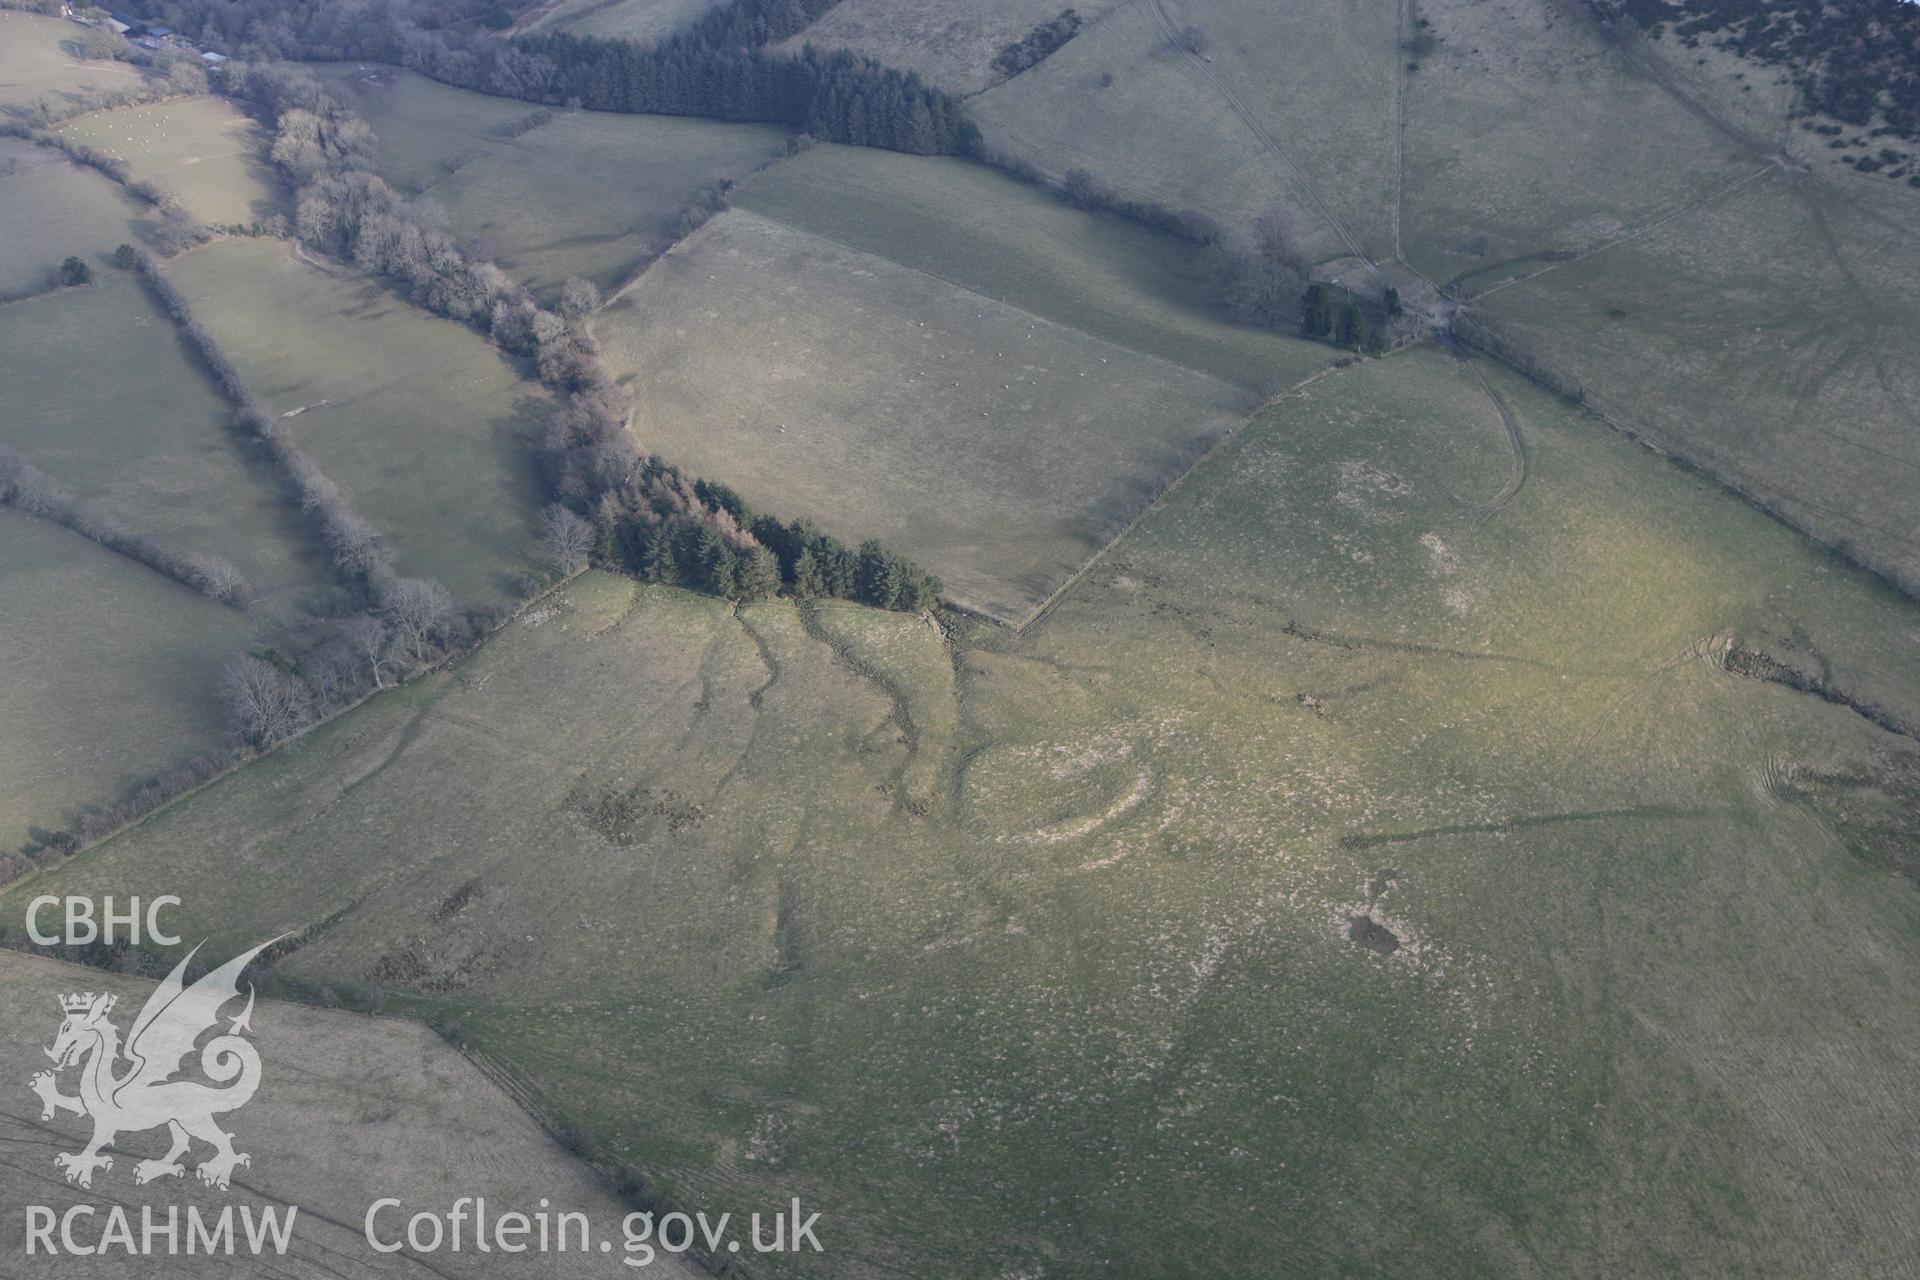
(650, 518)
(1038, 44)
(718, 68)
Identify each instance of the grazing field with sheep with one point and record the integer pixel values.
(204, 152)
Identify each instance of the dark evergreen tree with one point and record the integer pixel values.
(759, 574)
(807, 582)
(1316, 316)
(662, 562)
(1349, 327)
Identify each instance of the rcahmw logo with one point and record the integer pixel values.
(145, 1095)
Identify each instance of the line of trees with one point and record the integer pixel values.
(649, 517)
(836, 97)
(98, 821)
(358, 550)
(720, 67)
(27, 489)
(1088, 191)
(1038, 44)
(395, 622)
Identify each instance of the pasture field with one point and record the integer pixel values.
(594, 194)
(1286, 110)
(422, 424)
(951, 45)
(426, 129)
(350, 1110)
(1364, 864)
(1767, 338)
(997, 448)
(205, 151)
(1504, 168)
(109, 676)
(38, 64)
(591, 194)
(643, 20)
(102, 396)
(51, 208)
(1021, 245)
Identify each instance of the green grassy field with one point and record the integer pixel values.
(51, 208)
(205, 151)
(109, 676)
(38, 64)
(420, 422)
(951, 45)
(642, 20)
(1021, 245)
(1081, 902)
(102, 397)
(587, 194)
(997, 448)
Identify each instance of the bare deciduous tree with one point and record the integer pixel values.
(219, 579)
(265, 705)
(568, 538)
(356, 545)
(420, 611)
(371, 639)
(578, 298)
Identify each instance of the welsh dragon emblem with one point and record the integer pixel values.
(133, 1087)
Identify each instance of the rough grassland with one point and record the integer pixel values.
(1767, 337)
(51, 208)
(37, 65)
(997, 448)
(1504, 164)
(109, 675)
(1080, 903)
(1021, 245)
(101, 396)
(952, 45)
(1288, 102)
(587, 194)
(350, 1110)
(422, 424)
(642, 20)
(205, 151)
